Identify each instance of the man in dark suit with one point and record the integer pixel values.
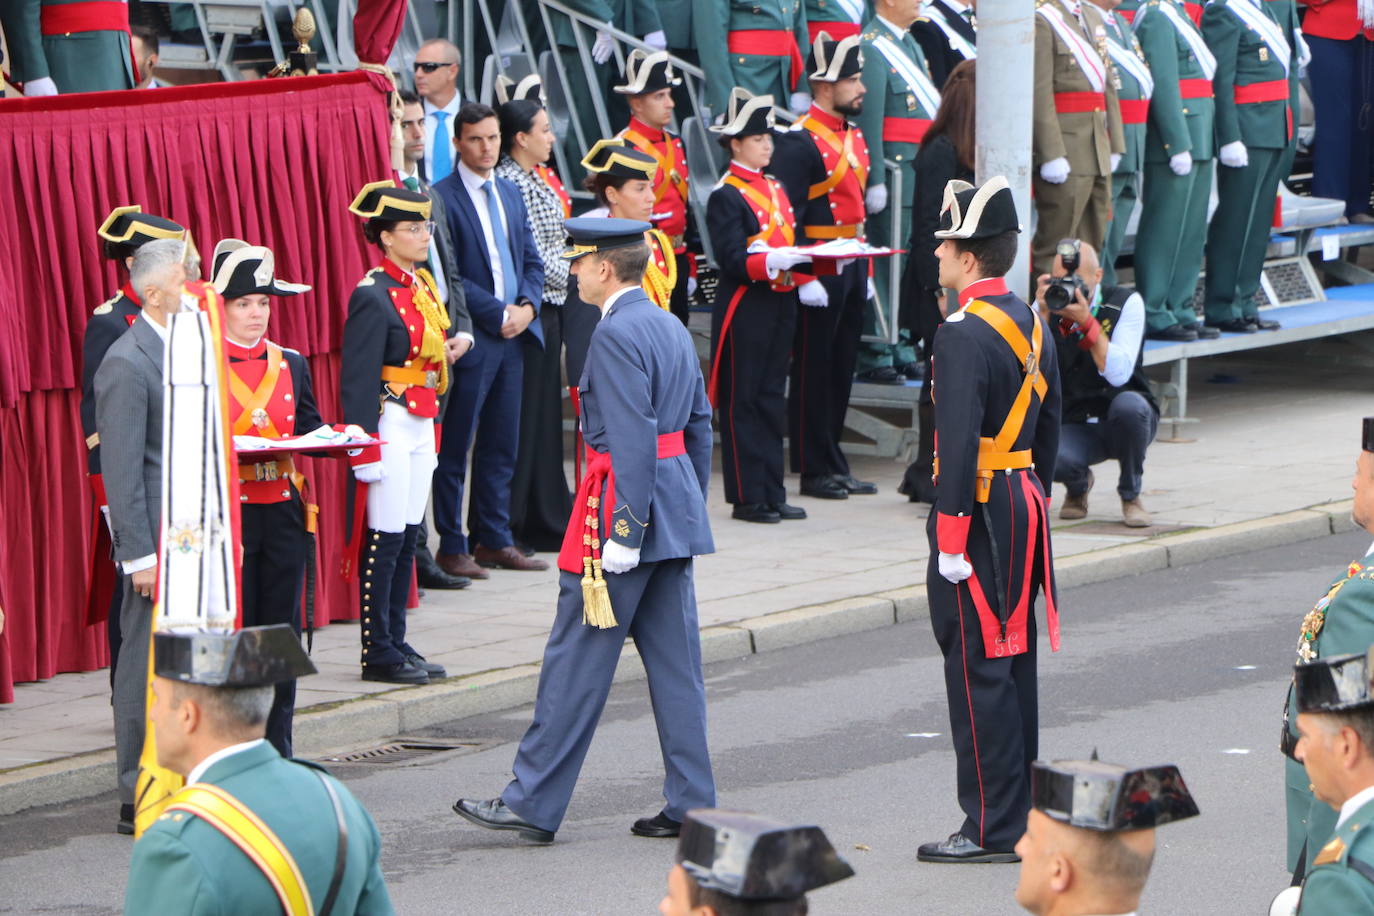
(647, 425)
(128, 417)
(503, 279)
(947, 32)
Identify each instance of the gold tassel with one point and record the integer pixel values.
(586, 578)
(596, 609)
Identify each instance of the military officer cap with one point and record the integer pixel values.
(617, 159)
(746, 115)
(831, 61)
(970, 212)
(529, 89)
(127, 229)
(645, 73)
(383, 200)
(1338, 683)
(241, 269)
(590, 234)
(250, 657)
(1367, 434)
(1103, 796)
(756, 858)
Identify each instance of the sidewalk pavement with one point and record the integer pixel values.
(1278, 432)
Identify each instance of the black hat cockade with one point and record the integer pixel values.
(250, 657)
(384, 200)
(128, 228)
(1337, 683)
(616, 158)
(1367, 434)
(241, 269)
(645, 73)
(756, 858)
(970, 212)
(746, 115)
(590, 234)
(831, 61)
(529, 89)
(1103, 796)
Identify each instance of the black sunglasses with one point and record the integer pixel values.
(429, 66)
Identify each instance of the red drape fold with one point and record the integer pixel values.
(273, 162)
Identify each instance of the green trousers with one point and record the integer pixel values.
(1169, 242)
(1125, 193)
(879, 231)
(1239, 235)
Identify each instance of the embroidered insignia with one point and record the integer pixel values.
(186, 538)
(1331, 852)
(259, 417)
(622, 528)
(105, 307)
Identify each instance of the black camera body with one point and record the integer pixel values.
(1061, 291)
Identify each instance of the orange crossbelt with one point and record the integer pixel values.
(846, 163)
(258, 398)
(667, 165)
(995, 454)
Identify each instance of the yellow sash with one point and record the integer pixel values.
(769, 204)
(257, 399)
(667, 166)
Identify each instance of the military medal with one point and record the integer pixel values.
(1264, 54)
(1312, 623)
(259, 418)
(911, 101)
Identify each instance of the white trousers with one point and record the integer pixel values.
(408, 456)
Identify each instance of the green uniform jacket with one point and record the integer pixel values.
(830, 11)
(1349, 627)
(1133, 135)
(77, 62)
(1175, 124)
(714, 20)
(1342, 876)
(1242, 59)
(638, 17)
(888, 96)
(1087, 139)
(676, 18)
(185, 866)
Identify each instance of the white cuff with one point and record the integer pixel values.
(142, 563)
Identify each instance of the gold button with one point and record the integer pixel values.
(412, 405)
(412, 327)
(286, 397)
(407, 364)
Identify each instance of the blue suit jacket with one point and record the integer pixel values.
(474, 262)
(643, 379)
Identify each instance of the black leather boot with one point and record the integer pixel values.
(383, 659)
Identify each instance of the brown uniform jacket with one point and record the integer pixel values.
(1088, 138)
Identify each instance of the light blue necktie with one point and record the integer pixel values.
(442, 165)
(498, 233)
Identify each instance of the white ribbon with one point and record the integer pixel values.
(854, 9)
(959, 43)
(1089, 61)
(1185, 27)
(1126, 59)
(916, 79)
(1270, 32)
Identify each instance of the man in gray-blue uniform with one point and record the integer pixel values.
(647, 425)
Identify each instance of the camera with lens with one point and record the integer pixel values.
(1061, 291)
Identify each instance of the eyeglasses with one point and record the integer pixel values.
(425, 228)
(429, 66)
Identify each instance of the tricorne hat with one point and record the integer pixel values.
(529, 89)
(1336, 683)
(756, 858)
(241, 269)
(250, 657)
(613, 156)
(831, 61)
(746, 114)
(1102, 796)
(384, 200)
(970, 212)
(130, 226)
(590, 234)
(646, 73)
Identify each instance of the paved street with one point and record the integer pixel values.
(1184, 665)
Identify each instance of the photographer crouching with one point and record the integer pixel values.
(1108, 409)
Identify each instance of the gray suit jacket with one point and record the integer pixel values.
(128, 416)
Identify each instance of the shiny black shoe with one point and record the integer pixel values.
(1203, 332)
(660, 825)
(1263, 324)
(399, 673)
(429, 575)
(125, 825)
(914, 370)
(432, 671)
(880, 375)
(959, 848)
(856, 487)
(494, 815)
(788, 513)
(755, 512)
(1175, 333)
(1233, 326)
(823, 487)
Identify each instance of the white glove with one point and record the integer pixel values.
(1286, 903)
(1115, 160)
(1234, 155)
(875, 200)
(800, 102)
(691, 287)
(40, 87)
(872, 289)
(372, 472)
(657, 40)
(812, 293)
(601, 50)
(955, 567)
(778, 261)
(1181, 163)
(617, 558)
(1056, 171)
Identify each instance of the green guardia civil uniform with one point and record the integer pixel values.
(82, 46)
(1173, 208)
(1256, 90)
(1341, 622)
(184, 865)
(899, 104)
(837, 18)
(1134, 86)
(759, 46)
(1342, 876)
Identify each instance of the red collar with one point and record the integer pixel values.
(128, 292)
(653, 134)
(988, 286)
(234, 351)
(834, 122)
(394, 271)
(743, 171)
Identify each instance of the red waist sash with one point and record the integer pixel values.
(1271, 91)
(88, 16)
(1134, 111)
(904, 130)
(769, 43)
(1076, 102)
(1195, 89)
(836, 30)
(582, 539)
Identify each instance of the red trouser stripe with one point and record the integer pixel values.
(972, 723)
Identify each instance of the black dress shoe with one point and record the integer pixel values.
(880, 375)
(959, 848)
(823, 487)
(431, 670)
(1233, 326)
(399, 673)
(914, 370)
(755, 512)
(429, 575)
(857, 487)
(1203, 332)
(494, 815)
(786, 512)
(125, 824)
(1174, 332)
(660, 825)
(1263, 324)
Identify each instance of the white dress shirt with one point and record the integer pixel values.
(1123, 347)
(615, 297)
(199, 770)
(1355, 803)
(473, 183)
(149, 561)
(432, 124)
